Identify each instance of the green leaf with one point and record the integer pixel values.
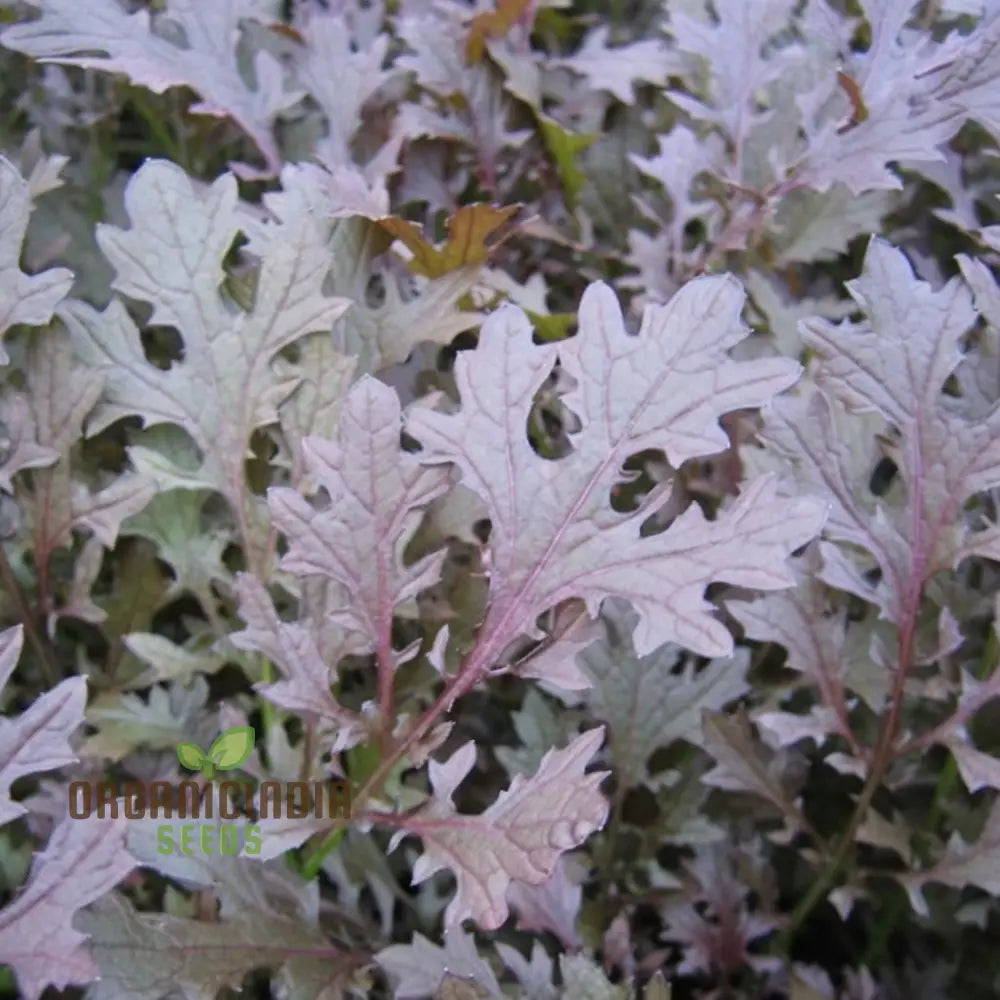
(553, 327)
(191, 756)
(362, 760)
(564, 148)
(646, 701)
(553, 22)
(584, 979)
(232, 747)
(657, 988)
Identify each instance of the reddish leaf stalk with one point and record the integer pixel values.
(386, 682)
(886, 750)
(35, 634)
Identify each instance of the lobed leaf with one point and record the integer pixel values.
(894, 364)
(37, 739)
(518, 838)
(224, 387)
(24, 298)
(644, 702)
(83, 860)
(417, 969)
(554, 535)
(376, 494)
(149, 956)
(128, 44)
(308, 669)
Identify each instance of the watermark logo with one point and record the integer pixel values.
(240, 803)
(227, 752)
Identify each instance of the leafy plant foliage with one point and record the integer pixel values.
(563, 436)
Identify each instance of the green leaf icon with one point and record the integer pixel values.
(231, 748)
(191, 756)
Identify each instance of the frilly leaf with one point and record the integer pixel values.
(519, 838)
(84, 859)
(24, 298)
(554, 534)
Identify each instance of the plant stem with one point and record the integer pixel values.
(881, 759)
(887, 922)
(386, 689)
(267, 712)
(614, 827)
(886, 750)
(35, 634)
(312, 865)
(897, 907)
(154, 122)
(459, 685)
(819, 888)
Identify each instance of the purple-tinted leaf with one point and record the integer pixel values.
(715, 924)
(128, 45)
(743, 764)
(341, 75)
(534, 976)
(152, 956)
(416, 969)
(293, 648)
(552, 906)
(963, 864)
(554, 535)
(798, 620)
(22, 450)
(978, 769)
(84, 859)
(59, 500)
(615, 69)
(555, 663)
(376, 493)
(519, 838)
(376, 336)
(894, 364)
(38, 738)
(645, 704)
(11, 642)
(740, 31)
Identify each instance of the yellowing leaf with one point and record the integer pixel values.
(473, 231)
(852, 88)
(553, 327)
(493, 24)
(286, 31)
